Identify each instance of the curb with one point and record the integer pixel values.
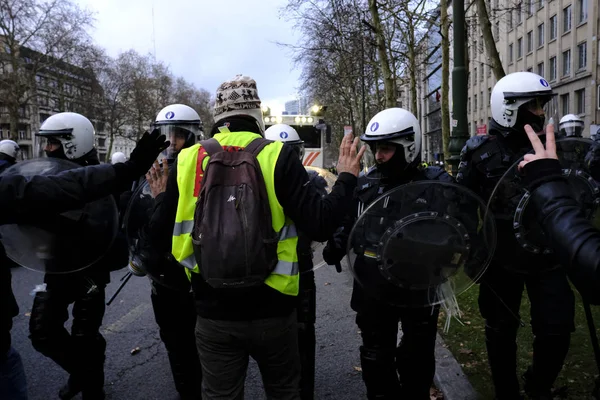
(449, 377)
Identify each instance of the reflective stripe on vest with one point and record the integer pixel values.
(191, 163)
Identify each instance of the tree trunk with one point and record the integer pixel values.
(14, 122)
(388, 80)
(445, 95)
(488, 39)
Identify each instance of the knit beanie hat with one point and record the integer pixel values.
(238, 96)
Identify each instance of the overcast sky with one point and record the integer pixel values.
(205, 41)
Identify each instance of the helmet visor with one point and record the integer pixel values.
(180, 136)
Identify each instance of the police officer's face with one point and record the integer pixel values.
(51, 145)
(178, 141)
(384, 152)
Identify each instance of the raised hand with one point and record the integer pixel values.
(540, 151)
(349, 159)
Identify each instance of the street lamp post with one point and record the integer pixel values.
(459, 134)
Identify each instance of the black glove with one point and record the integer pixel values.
(334, 251)
(142, 157)
(146, 151)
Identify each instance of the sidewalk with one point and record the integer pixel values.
(449, 376)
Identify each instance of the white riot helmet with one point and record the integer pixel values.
(571, 126)
(517, 100)
(10, 148)
(288, 135)
(181, 125)
(399, 126)
(117, 158)
(74, 132)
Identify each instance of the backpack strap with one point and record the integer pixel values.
(212, 146)
(257, 145)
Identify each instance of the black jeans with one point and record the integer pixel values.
(225, 347)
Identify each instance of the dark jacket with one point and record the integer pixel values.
(484, 162)
(572, 236)
(317, 217)
(21, 198)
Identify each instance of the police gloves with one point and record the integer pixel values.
(142, 157)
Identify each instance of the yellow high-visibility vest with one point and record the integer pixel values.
(191, 163)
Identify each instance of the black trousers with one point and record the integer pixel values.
(552, 321)
(383, 360)
(175, 315)
(306, 312)
(80, 353)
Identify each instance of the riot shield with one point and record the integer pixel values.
(509, 202)
(421, 244)
(329, 177)
(63, 242)
(142, 260)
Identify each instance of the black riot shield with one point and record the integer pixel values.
(161, 268)
(509, 202)
(421, 243)
(63, 242)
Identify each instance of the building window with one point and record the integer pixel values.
(489, 95)
(509, 20)
(582, 55)
(530, 7)
(540, 69)
(567, 19)
(474, 102)
(510, 53)
(519, 11)
(566, 62)
(482, 99)
(553, 27)
(540, 35)
(519, 48)
(530, 69)
(540, 4)
(553, 68)
(474, 76)
(529, 41)
(489, 71)
(564, 102)
(497, 31)
(22, 135)
(580, 101)
(583, 7)
(469, 106)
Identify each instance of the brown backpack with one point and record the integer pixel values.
(233, 238)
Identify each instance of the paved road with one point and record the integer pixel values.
(129, 323)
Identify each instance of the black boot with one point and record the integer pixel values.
(70, 390)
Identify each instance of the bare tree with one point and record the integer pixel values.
(488, 38)
(36, 36)
(186, 93)
(445, 33)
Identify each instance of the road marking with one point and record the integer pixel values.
(126, 319)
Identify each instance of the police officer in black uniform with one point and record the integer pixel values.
(517, 100)
(307, 296)
(70, 136)
(9, 152)
(394, 137)
(172, 298)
